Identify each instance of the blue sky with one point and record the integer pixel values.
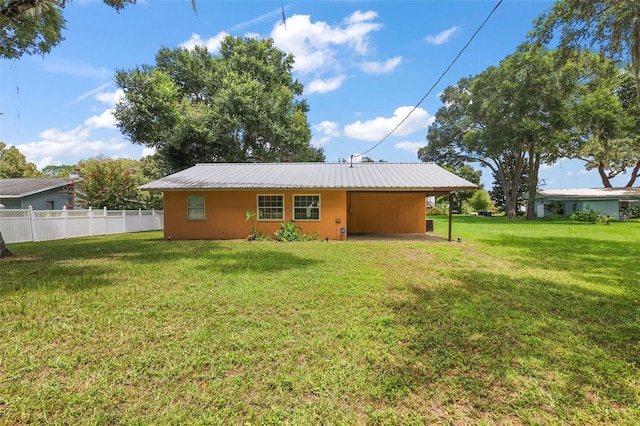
(364, 65)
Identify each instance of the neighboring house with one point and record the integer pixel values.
(210, 201)
(40, 194)
(606, 201)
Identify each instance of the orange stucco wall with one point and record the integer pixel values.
(386, 212)
(225, 214)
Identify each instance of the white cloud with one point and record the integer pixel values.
(316, 44)
(90, 93)
(324, 86)
(381, 67)
(147, 151)
(73, 143)
(110, 98)
(320, 141)
(410, 147)
(329, 128)
(442, 37)
(212, 43)
(104, 120)
(379, 127)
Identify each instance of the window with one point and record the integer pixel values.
(270, 207)
(306, 207)
(195, 207)
(50, 205)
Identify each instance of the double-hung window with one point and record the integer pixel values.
(270, 207)
(306, 207)
(195, 207)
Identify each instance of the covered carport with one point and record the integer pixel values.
(386, 212)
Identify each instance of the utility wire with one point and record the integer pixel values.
(434, 84)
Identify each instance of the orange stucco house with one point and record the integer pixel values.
(210, 201)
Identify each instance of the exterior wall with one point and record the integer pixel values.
(225, 214)
(39, 201)
(11, 203)
(386, 212)
(604, 207)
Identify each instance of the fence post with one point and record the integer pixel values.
(65, 225)
(90, 214)
(153, 219)
(139, 220)
(34, 232)
(106, 222)
(124, 221)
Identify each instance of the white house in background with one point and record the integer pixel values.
(606, 201)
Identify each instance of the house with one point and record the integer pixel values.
(612, 202)
(40, 194)
(211, 201)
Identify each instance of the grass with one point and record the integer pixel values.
(519, 323)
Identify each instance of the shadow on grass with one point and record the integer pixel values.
(608, 262)
(515, 347)
(81, 264)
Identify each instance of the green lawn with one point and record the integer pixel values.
(519, 323)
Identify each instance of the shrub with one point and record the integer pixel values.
(587, 216)
(289, 231)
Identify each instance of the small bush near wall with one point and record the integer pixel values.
(588, 216)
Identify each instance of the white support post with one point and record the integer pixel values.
(90, 213)
(124, 221)
(65, 225)
(34, 232)
(106, 221)
(139, 220)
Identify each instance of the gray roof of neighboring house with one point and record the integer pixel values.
(22, 187)
(591, 193)
(423, 177)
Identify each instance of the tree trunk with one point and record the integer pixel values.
(4, 251)
(532, 184)
(604, 176)
(634, 175)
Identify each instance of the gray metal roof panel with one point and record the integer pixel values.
(22, 187)
(363, 176)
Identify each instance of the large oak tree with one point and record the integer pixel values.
(242, 105)
(610, 26)
(507, 117)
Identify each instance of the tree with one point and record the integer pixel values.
(505, 118)
(240, 106)
(612, 26)
(497, 191)
(106, 183)
(606, 120)
(14, 165)
(35, 26)
(480, 201)
(62, 171)
(4, 251)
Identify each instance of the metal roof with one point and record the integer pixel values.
(423, 177)
(21, 187)
(591, 193)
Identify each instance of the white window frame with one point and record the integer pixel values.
(259, 212)
(196, 208)
(318, 207)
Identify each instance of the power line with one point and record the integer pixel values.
(434, 84)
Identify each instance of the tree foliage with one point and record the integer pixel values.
(35, 26)
(611, 26)
(606, 117)
(15, 165)
(108, 183)
(240, 106)
(505, 118)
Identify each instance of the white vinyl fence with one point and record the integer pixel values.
(19, 226)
